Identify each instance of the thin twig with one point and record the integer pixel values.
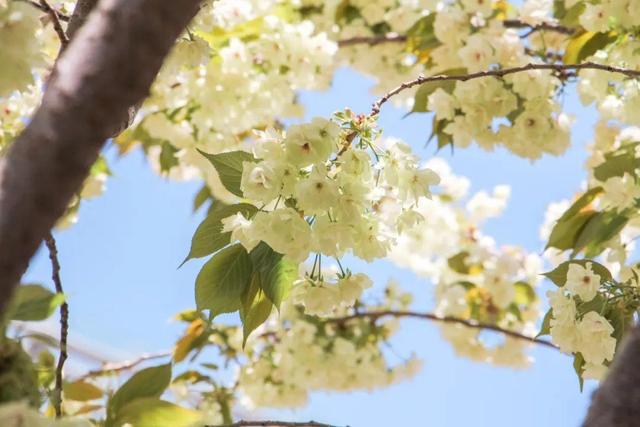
(110, 368)
(55, 20)
(374, 315)
(375, 109)
(544, 26)
(61, 16)
(243, 423)
(64, 322)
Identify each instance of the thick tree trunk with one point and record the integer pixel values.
(616, 403)
(79, 15)
(108, 67)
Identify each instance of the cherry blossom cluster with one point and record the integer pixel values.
(474, 279)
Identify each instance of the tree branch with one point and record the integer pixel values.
(55, 20)
(616, 403)
(61, 16)
(375, 315)
(545, 26)
(110, 368)
(373, 40)
(109, 66)
(79, 15)
(243, 423)
(375, 109)
(64, 322)
(401, 38)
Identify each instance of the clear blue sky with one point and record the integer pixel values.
(119, 272)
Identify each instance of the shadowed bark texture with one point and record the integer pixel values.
(616, 403)
(108, 67)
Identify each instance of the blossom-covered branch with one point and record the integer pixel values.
(400, 38)
(64, 322)
(499, 73)
(445, 319)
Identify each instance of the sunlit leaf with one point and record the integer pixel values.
(34, 302)
(229, 168)
(147, 383)
(222, 280)
(82, 391)
(152, 412)
(209, 237)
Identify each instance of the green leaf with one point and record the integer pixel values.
(81, 391)
(525, 294)
(565, 232)
(168, 157)
(571, 16)
(581, 203)
(276, 273)
(621, 322)
(209, 237)
(545, 328)
(618, 163)
(600, 228)
(596, 304)
(34, 302)
(458, 262)
(583, 45)
(255, 308)
(222, 280)
(201, 197)
(559, 274)
(147, 383)
(219, 37)
(229, 168)
(152, 412)
(578, 366)
(421, 35)
(422, 94)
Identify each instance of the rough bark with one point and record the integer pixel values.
(616, 403)
(80, 15)
(108, 67)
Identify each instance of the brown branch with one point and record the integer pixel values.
(373, 40)
(545, 26)
(375, 315)
(244, 423)
(55, 20)
(375, 109)
(64, 323)
(109, 66)
(61, 16)
(111, 368)
(616, 403)
(401, 38)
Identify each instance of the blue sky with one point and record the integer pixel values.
(119, 269)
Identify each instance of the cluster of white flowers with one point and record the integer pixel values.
(326, 195)
(474, 279)
(20, 49)
(313, 355)
(616, 97)
(238, 70)
(590, 333)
